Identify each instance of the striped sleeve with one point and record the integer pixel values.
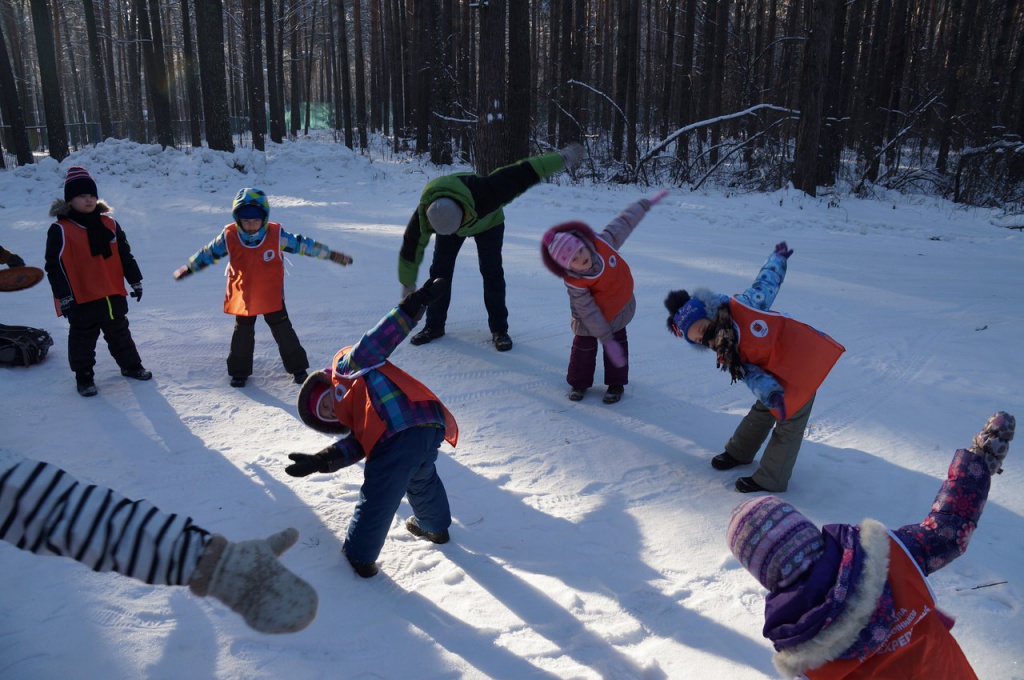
(303, 245)
(45, 510)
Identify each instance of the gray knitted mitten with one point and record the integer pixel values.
(993, 441)
(572, 155)
(250, 580)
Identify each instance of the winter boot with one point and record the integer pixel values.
(502, 342)
(613, 395)
(137, 373)
(238, 380)
(576, 393)
(426, 335)
(299, 377)
(414, 528)
(748, 485)
(85, 383)
(993, 442)
(724, 461)
(250, 580)
(364, 569)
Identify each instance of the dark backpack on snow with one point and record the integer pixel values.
(23, 346)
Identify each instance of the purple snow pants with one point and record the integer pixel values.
(583, 362)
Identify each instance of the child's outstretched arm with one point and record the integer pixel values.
(379, 342)
(301, 245)
(621, 228)
(761, 294)
(340, 454)
(204, 257)
(944, 534)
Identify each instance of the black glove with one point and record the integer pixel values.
(15, 261)
(783, 250)
(415, 303)
(136, 291)
(341, 258)
(304, 464)
(66, 304)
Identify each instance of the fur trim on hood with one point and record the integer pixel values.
(843, 632)
(61, 208)
(584, 232)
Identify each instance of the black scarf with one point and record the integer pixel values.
(99, 235)
(720, 335)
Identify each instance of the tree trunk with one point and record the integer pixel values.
(98, 79)
(519, 77)
(346, 77)
(425, 70)
(253, 34)
(686, 81)
(195, 107)
(812, 87)
(492, 149)
(156, 71)
(956, 64)
(273, 80)
(56, 130)
(294, 61)
(113, 86)
(11, 107)
(210, 41)
(357, 28)
(441, 39)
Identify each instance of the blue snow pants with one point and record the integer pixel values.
(402, 465)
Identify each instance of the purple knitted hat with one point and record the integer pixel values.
(773, 541)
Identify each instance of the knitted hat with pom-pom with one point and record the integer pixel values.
(773, 541)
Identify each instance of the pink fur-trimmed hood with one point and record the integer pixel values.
(580, 229)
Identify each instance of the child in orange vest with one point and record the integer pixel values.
(390, 419)
(781, 360)
(853, 602)
(601, 301)
(88, 259)
(256, 281)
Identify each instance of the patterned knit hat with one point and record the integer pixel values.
(693, 311)
(563, 247)
(248, 198)
(773, 541)
(78, 181)
(445, 216)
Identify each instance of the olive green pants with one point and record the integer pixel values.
(783, 446)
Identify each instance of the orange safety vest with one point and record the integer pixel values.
(919, 646)
(797, 355)
(612, 287)
(354, 410)
(255, 273)
(92, 277)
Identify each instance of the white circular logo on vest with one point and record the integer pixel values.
(759, 328)
(268, 255)
(339, 392)
(612, 261)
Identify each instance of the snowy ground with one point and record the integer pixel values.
(588, 539)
